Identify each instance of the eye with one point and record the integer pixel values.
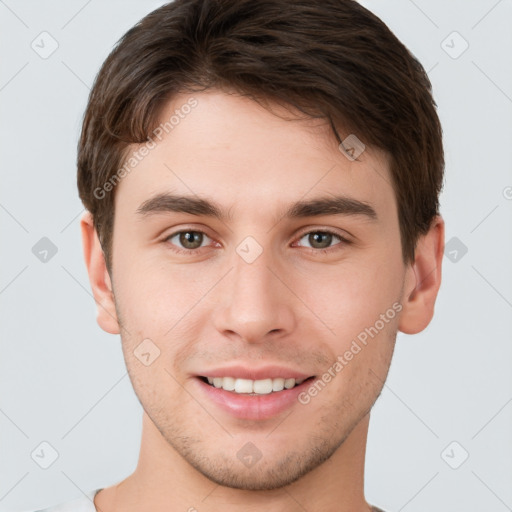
(322, 239)
(190, 240)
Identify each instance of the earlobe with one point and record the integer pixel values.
(99, 277)
(422, 281)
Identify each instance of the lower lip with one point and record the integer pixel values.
(253, 407)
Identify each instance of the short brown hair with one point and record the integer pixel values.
(331, 59)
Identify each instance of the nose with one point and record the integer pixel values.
(255, 304)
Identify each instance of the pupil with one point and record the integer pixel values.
(191, 239)
(323, 238)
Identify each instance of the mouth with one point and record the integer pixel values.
(252, 393)
(250, 387)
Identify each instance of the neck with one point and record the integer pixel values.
(164, 481)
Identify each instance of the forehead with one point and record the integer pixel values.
(230, 148)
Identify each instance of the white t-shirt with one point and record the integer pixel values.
(82, 504)
(86, 504)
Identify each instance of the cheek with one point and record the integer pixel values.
(353, 297)
(161, 304)
(360, 304)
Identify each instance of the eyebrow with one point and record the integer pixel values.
(193, 205)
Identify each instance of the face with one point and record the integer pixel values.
(266, 290)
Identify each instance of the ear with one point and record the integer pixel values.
(99, 277)
(422, 280)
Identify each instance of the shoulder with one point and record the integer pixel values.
(84, 503)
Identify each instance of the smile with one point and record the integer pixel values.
(253, 387)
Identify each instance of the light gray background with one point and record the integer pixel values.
(63, 380)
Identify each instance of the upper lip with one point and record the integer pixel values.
(264, 372)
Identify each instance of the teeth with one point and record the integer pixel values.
(277, 384)
(263, 387)
(289, 383)
(259, 387)
(228, 383)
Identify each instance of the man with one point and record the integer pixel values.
(261, 181)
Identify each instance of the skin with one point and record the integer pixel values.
(293, 305)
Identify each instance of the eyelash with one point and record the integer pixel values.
(343, 241)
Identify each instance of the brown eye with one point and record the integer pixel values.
(320, 239)
(323, 241)
(187, 240)
(191, 239)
